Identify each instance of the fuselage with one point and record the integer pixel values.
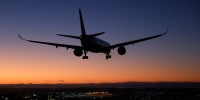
(94, 44)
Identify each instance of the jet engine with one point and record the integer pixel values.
(121, 50)
(78, 52)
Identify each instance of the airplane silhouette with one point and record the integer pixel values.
(92, 43)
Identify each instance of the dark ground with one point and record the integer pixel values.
(105, 91)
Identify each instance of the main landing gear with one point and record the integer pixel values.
(108, 56)
(85, 57)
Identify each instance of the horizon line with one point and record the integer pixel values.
(62, 83)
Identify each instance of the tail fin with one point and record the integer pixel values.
(82, 23)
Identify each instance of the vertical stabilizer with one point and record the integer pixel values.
(82, 24)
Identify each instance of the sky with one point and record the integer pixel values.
(173, 57)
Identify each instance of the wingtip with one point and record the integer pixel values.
(165, 31)
(21, 37)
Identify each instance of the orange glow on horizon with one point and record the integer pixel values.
(49, 69)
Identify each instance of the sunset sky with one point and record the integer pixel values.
(173, 57)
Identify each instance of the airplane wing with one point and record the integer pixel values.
(135, 41)
(53, 44)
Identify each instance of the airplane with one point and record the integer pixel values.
(90, 42)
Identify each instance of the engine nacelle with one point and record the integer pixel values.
(78, 52)
(121, 50)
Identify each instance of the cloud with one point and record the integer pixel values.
(62, 81)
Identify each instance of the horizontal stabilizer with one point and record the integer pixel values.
(75, 37)
(97, 34)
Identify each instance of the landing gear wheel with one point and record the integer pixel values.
(108, 56)
(85, 57)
